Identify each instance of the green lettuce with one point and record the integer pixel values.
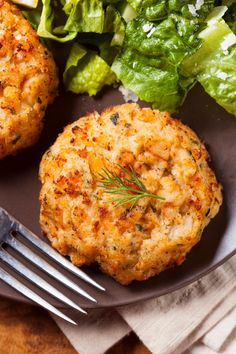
(157, 48)
(156, 10)
(149, 62)
(214, 64)
(84, 16)
(172, 39)
(45, 27)
(151, 79)
(86, 71)
(102, 44)
(127, 12)
(96, 24)
(63, 21)
(114, 24)
(150, 9)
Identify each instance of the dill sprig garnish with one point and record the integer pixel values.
(128, 188)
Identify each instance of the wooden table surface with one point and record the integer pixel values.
(26, 329)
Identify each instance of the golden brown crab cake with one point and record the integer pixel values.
(136, 243)
(28, 81)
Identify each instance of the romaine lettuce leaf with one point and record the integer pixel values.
(101, 43)
(152, 79)
(127, 12)
(45, 27)
(156, 10)
(151, 9)
(153, 46)
(86, 71)
(219, 80)
(77, 16)
(149, 62)
(173, 38)
(84, 16)
(214, 64)
(114, 24)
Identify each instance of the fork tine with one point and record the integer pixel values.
(45, 266)
(36, 279)
(21, 288)
(45, 248)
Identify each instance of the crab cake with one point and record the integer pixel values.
(129, 241)
(28, 81)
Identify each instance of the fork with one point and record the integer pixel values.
(9, 228)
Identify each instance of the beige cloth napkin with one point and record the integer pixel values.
(198, 319)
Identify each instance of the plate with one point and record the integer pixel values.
(19, 190)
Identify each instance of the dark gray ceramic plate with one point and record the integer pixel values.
(19, 189)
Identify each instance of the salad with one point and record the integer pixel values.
(157, 49)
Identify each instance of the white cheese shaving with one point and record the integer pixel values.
(229, 40)
(151, 32)
(128, 95)
(199, 4)
(222, 76)
(147, 27)
(222, 86)
(192, 10)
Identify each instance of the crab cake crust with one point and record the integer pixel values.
(136, 243)
(28, 81)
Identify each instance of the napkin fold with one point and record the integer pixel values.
(198, 319)
(96, 333)
(219, 335)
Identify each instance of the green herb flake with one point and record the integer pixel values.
(114, 118)
(153, 208)
(139, 227)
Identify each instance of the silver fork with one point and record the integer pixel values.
(9, 227)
